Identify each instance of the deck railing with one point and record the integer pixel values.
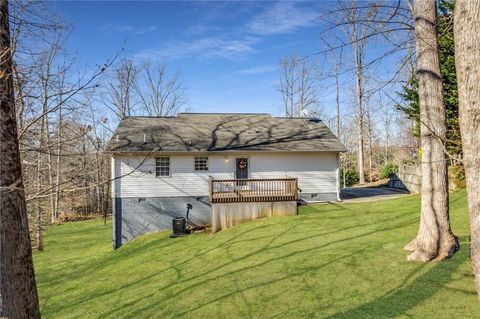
(253, 190)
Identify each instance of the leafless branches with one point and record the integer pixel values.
(298, 86)
(143, 89)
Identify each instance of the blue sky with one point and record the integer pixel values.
(227, 52)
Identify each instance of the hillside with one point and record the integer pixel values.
(332, 260)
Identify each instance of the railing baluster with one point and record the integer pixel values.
(252, 190)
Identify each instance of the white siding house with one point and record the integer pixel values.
(317, 173)
(160, 164)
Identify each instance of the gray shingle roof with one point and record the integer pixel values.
(222, 132)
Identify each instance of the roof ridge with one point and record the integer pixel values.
(220, 113)
(149, 116)
(184, 114)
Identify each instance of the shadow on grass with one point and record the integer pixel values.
(400, 300)
(127, 251)
(263, 284)
(334, 210)
(192, 282)
(203, 277)
(393, 221)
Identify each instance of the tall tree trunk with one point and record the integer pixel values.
(358, 31)
(20, 105)
(45, 142)
(57, 174)
(59, 151)
(386, 128)
(97, 179)
(38, 200)
(18, 292)
(39, 228)
(361, 161)
(358, 51)
(50, 168)
(435, 239)
(370, 142)
(84, 169)
(467, 48)
(337, 95)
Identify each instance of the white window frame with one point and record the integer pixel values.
(196, 161)
(165, 165)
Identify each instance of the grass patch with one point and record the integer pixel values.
(331, 261)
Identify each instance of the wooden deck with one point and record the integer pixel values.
(253, 190)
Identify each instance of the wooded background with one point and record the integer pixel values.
(66, 116)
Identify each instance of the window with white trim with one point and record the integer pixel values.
(201, 164)
(162, 166)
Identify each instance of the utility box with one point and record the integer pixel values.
(178, 227)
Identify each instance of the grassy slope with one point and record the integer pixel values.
(333, 260)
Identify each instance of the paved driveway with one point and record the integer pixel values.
(364, 194)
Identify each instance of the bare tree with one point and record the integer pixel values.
(336, 65)
(467, 48)
(369, 133)
(118, 96)
(357, 31)
(48, 77)
(435, 239)
(288, 84)
(50, 95)
(18, 293)
(159, 94)
(387, 117)
(59, 141)
(298, 85)
(361, 23)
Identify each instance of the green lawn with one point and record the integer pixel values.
(330, 261)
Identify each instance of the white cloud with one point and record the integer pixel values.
(257, 70)
(127, 28)
(147, 29)
(207, 47)
(283, 17)
(198, 29)
(277, 18)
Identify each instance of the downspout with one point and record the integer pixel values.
(338, 177)
(112, 196)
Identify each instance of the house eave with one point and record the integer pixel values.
(223, 152)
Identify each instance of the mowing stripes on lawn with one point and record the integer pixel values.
(331, 261)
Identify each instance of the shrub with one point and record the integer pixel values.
(65, 217)
(351, 177)
(388, 169)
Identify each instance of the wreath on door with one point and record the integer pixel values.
(242, 164)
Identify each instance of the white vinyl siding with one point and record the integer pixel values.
(183, 181)
(317, 173)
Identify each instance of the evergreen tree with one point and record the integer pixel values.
(409, 94)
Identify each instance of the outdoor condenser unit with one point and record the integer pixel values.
(178, 227)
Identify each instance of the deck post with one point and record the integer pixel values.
(296, 189)
(210, 189)
(337, 173)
